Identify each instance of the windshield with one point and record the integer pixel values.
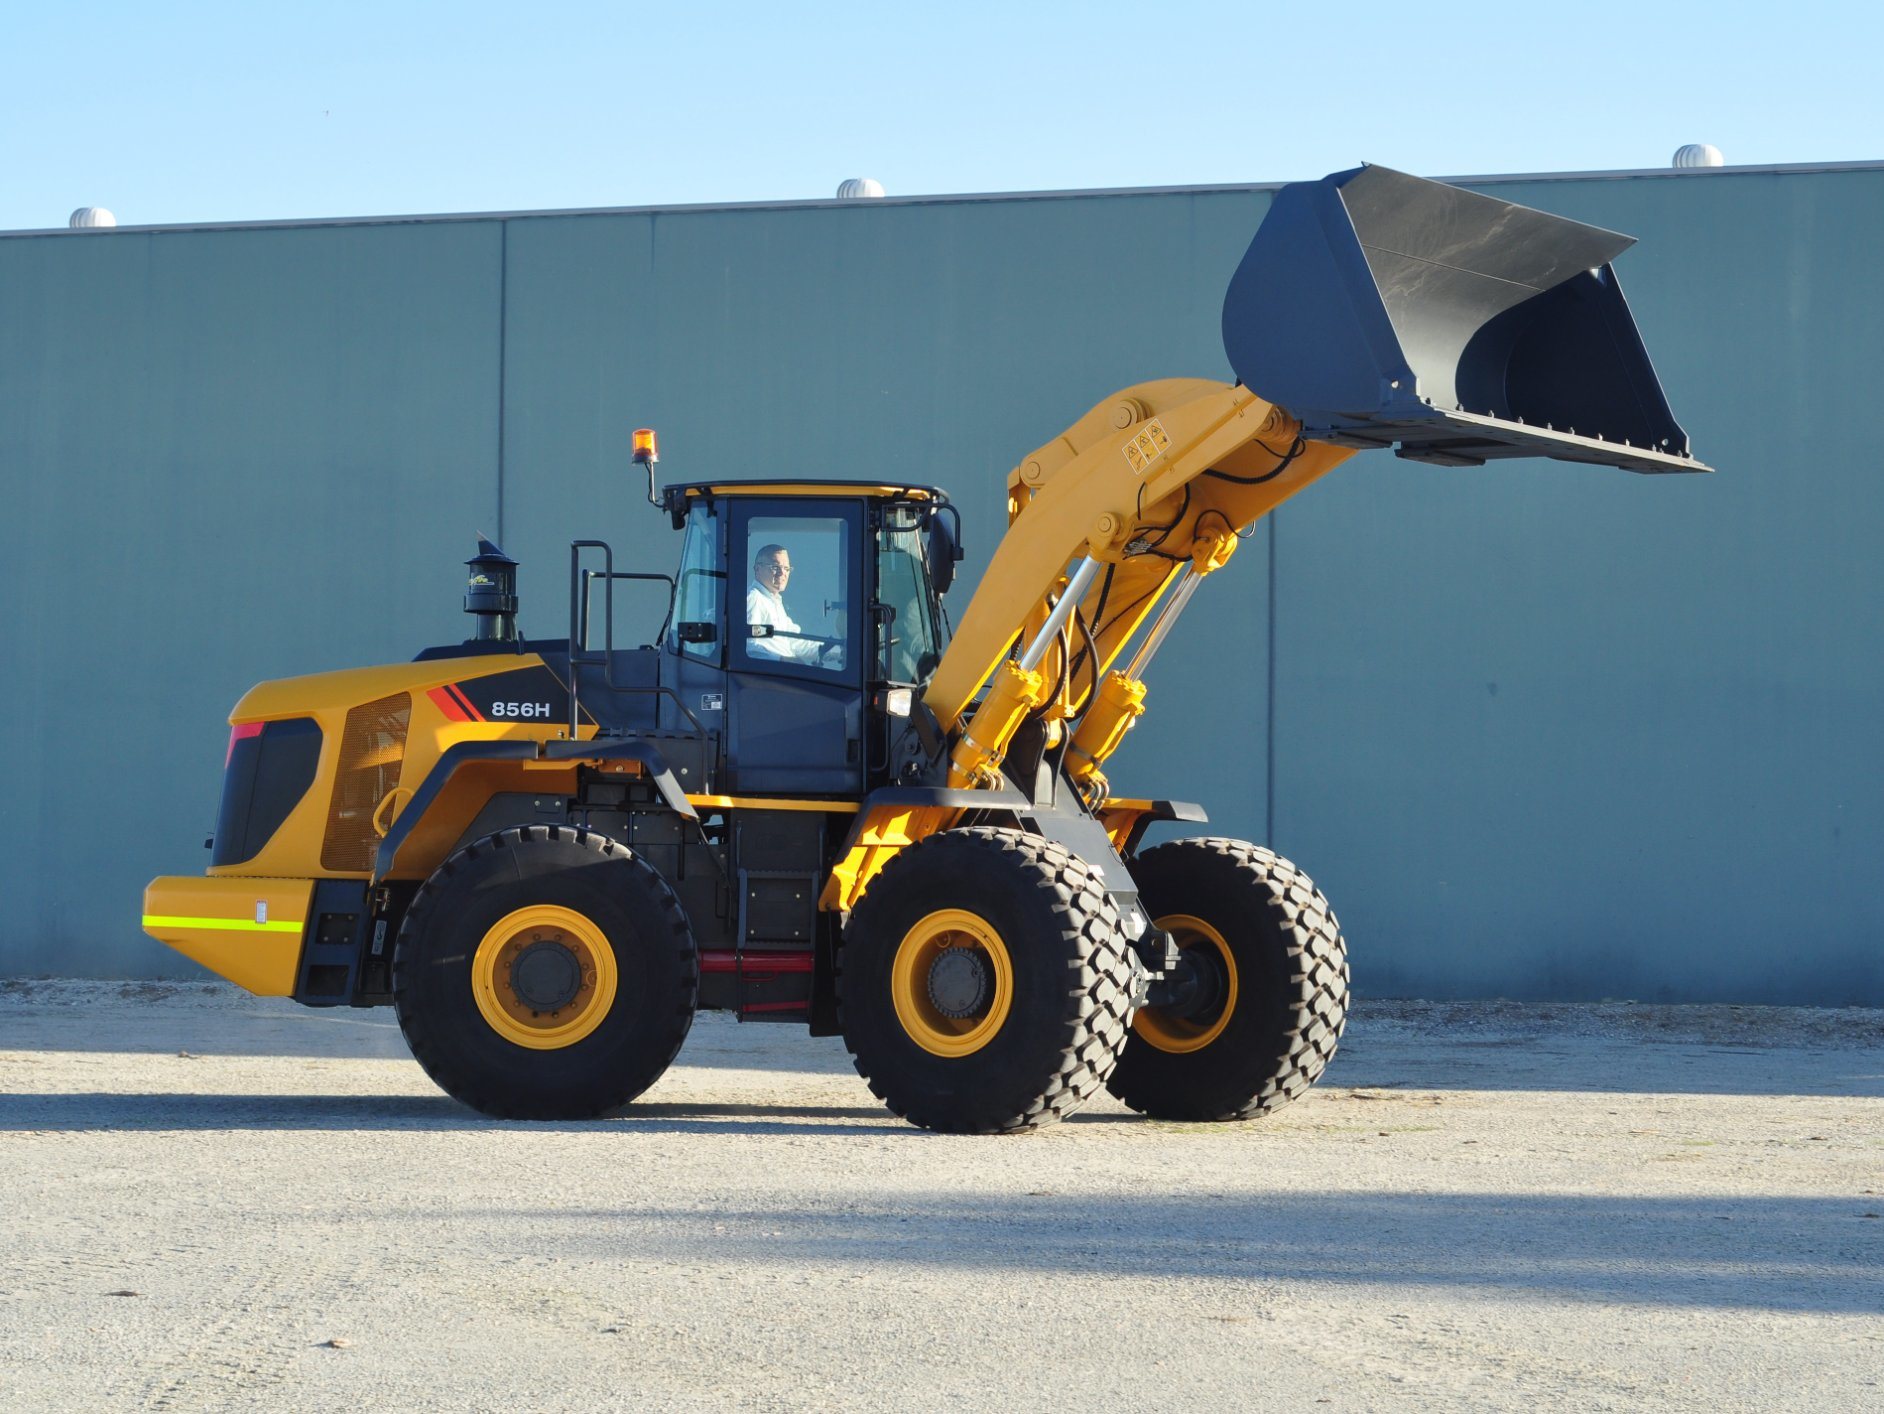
(909, 639)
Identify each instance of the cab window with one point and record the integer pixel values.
(701, 589)
(798, 586)
(909, 641)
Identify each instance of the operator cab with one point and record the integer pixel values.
(807, 618)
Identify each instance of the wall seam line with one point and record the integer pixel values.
(503, 354)
(1269, 768)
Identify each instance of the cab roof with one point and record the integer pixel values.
(879, 490)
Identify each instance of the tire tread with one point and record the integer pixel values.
(1316, 1008)
(1092, 1033)
(669, 929)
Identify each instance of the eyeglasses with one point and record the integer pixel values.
(774, 567)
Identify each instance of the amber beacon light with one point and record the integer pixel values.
(647, 454)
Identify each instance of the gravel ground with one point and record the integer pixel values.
(215, 1202)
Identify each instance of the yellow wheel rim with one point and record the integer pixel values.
(1181, 1035)
(544, 977)
(957, 953)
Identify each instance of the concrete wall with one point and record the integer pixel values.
(1539, 730)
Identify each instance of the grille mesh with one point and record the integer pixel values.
(371, 750)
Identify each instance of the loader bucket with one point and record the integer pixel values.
(1379, 308)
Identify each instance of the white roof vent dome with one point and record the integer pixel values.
(88, 217)
(859, 189)
(1699, 154)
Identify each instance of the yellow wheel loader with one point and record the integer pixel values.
(806, 800)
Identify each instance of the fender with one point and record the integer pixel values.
(570, 753)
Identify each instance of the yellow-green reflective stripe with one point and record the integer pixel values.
(233, 925)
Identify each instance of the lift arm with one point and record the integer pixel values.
(1155, 481)
(1378, 310)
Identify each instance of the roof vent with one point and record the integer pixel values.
(859, 189)
(89, 217)
(1699, 154)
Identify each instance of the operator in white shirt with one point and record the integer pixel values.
(765, 604)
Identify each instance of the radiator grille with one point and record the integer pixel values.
(371, 750)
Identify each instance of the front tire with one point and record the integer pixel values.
(545, 973)
(1266, 976)
(984, 982)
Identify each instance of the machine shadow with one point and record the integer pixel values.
(111, 1112)
(107, 1111)
(681, 1115)
(1722, 1253)
(1497, 1047)
(1569, 1063)
(1610, 1048)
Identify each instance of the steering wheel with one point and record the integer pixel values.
(826, 647)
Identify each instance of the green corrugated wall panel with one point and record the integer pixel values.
(1553, 731)
(1541, 730)
(934, 343)
(928, 343)
(227, 456)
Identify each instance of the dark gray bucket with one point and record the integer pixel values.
(1383, 309)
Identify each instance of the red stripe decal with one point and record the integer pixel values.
(241, 731)
(763, 964)
(446, 703)
(464, 702)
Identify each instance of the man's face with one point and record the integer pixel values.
(774, 571)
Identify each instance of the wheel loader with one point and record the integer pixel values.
(807, 800)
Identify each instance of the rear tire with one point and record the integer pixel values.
(1273, 993)
(984, 982)
(545, 973)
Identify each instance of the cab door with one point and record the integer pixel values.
(795, 670)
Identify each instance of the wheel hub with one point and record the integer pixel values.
(1195, 987)
(952, 983)
(546, 976)
(1194, 1001)
(959, 983)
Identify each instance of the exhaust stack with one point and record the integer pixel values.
(1384, 309)
(491, 594)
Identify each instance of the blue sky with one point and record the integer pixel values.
(205, 112)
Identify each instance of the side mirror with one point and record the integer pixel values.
(944, 549)
(698, 632)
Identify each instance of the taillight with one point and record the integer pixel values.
(241, 731)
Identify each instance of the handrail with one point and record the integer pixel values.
(579, 580)
(588, 584)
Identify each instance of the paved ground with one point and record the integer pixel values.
(212, 1202)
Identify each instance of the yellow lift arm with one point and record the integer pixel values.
(1372, 309)
(1146, 494)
